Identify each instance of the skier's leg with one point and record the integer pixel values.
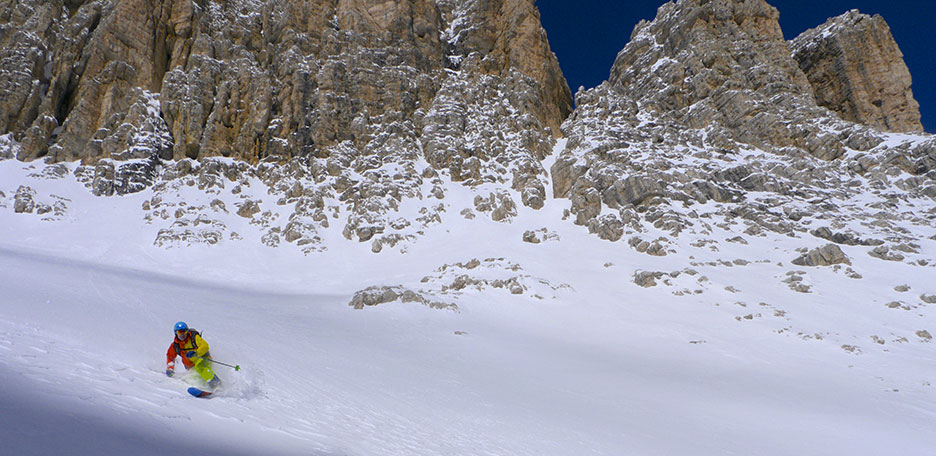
(203, 367)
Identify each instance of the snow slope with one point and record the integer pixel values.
(722, 358)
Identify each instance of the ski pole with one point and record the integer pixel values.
(235, 367)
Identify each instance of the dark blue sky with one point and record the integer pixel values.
(586, 35)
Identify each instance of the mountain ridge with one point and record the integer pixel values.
(378, 106)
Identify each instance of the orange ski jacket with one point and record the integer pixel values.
(193, 342)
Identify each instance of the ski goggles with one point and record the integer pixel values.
(182, 333)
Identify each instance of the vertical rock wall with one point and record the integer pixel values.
(252, 79)
(707, 103)
(857, 70)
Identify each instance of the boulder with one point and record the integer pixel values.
(248, 209)
(23, 200)
(647, 279)
(377, 295)
(827, 255)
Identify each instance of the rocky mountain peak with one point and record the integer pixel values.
(717, 46)
(707, 103)
(857, 70)
(715, 62)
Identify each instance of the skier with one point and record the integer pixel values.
(189, 344)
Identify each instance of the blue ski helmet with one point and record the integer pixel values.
(181, 326)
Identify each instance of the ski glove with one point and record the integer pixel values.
(190, 354)
(169, 372)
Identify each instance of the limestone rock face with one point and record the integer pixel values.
(95, 68)
(717, 63)
(278, 79)
(857, 70)
(343, 101)
(707, 107)
(713, 75)
(509, 36)
(357, 116)
(26, 36)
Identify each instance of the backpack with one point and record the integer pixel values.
(192, 334)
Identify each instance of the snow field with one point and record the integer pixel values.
(584, 361)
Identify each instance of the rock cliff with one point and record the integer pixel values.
(316, 112)
(354, 95)
(857, 70)
(707, 104)
(251, 79)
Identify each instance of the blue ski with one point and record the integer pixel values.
(199, 393)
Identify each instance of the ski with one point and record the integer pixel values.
(199, 393)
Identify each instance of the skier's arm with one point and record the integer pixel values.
(202, 346)
(170, 357)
